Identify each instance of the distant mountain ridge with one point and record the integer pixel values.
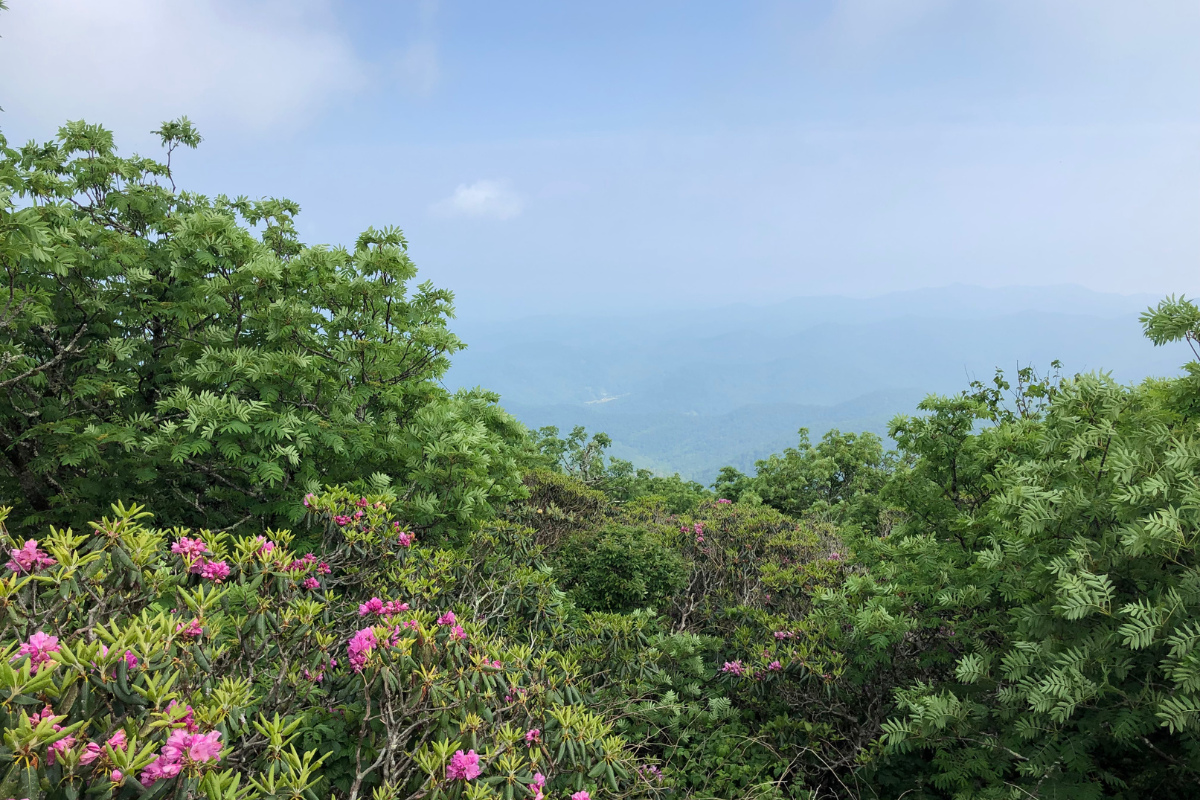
(692, 390)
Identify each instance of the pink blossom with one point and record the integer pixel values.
(311, 583)
(116, 776)
(358, 514)
(308, 498)
(835, 556)
(774, 666)
(539, 782)
(29, 559)
(532, 735)
(463, 767)
(92, 750)
(581, 796)
(406, 539)
(360, 647)
(188, 720)
(372, 606)
(265, 545)
(734, 667)
(59, 748)
(190, 630)
(215, 571)
(447, 619)
(784, 635)
(457, 632)
(361, 502)
(205, 747)
(723, 501)
(342, 520)
(38, 648)
(189, 549)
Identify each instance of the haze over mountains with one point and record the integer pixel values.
(686, 390)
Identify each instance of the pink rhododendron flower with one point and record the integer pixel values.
(265, 545)
(463, 767)
(457, 632)
(734, 667)
(532, 735)
(360, 647)
(311, 583)
(205, 747)
(308, 500)
(361, 502)
(189, 549)
(372, 606)
(116, 776)
(723, 501)
(835, 556)
(581, 796)
(539, 782)
(774, 666)
(38, 648)
(323, 568)
(406, 539)
(784, 635)
(342, 520)
(447, 619)
(188, 720)
(358, 514)
(189, 630)
(215, 571)
(29, 559)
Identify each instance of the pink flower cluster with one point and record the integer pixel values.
(735, 668)
(835, 556)
(62, 745)
(650, 771)
(407, 538)
(29, 559)
(723, 501)
(377, 606)
(189, 549)
(774, 666)
(533, 736)
(93, 750)
(447, 619)
(581, 796)
(342, 520)
(308, 500)
(189, 630)
(311, 583)
(265, 545)
(38, 648)
(360, 647)
(306, 563)
(182, 748)
(539, 783)
(188, 720)
(697, 529)
(130, 659)
(784, 635)
(463, 767)
(193, 551)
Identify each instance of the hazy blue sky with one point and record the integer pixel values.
(555, 155)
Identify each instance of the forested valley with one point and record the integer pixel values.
(255, 549)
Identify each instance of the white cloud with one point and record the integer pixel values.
(484, 199)
(250, 64)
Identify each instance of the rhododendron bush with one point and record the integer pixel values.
(139, 660)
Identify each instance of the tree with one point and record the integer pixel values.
(160, 345)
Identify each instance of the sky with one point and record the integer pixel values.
(572, 158)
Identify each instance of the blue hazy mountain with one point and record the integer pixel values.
(690, 390)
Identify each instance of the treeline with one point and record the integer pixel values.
(356, 582)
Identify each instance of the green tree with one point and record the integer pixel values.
(159, 345)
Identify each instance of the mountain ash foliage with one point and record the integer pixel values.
(355, 582)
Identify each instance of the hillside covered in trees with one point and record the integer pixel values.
(256, 549)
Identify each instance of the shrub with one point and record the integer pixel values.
(186, 351)
(620, 568)
(200, 663)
